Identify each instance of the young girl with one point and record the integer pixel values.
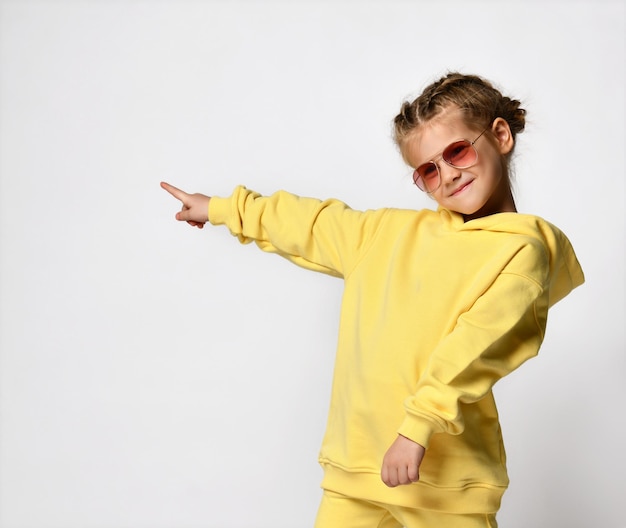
(437, 307)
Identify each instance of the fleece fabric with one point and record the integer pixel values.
(435, 311)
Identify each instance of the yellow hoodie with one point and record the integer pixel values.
(434, 312)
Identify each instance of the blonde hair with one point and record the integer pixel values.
(477, 99)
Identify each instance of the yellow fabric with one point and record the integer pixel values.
(434, 312)
(339, 511)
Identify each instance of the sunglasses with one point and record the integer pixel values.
(460, 155)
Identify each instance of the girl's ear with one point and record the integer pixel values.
(502, 133)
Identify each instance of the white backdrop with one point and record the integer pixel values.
(154, 375)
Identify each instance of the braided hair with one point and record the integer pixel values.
(477, 99)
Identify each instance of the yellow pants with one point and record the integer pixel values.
(339, 511)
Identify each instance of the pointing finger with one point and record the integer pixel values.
(174, 191)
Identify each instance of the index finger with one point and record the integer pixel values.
(174, 191)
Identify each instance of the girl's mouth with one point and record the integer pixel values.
(462, 188)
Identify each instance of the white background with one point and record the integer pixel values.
(154, 375)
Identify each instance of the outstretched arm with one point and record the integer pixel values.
(195, 210)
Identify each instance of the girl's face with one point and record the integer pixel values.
(480, 190)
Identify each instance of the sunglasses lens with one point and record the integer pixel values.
(460, 154)
(426, 177)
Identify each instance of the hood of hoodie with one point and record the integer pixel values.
(565, 270)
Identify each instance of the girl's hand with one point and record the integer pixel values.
(402, 462)
(195, 210)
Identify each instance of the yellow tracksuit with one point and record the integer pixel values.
(435, 310)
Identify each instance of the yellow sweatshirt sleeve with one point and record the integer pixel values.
(320, 235)
(503, 329)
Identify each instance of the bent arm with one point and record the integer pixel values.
(503, 329)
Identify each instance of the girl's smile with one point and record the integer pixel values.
(462, 188)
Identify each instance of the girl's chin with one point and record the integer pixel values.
(465, 209)
(471, 210)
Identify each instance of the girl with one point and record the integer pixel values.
(437, 307)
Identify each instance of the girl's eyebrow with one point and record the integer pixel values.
(443, 118)
(437, 156)
(433, 158)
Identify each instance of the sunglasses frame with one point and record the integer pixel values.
(417, 179)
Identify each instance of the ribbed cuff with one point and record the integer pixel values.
(219, 210)
(418, 430)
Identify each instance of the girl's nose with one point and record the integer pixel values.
(448, 174)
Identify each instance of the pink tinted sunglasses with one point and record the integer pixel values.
(460, 154)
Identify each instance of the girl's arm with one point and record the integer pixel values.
(503, 329)
(320, 235)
